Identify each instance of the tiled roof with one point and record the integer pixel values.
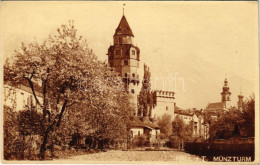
(215, 106)
(123, 28)
(177, 108)
(139, 122)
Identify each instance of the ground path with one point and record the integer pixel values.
(118, 155)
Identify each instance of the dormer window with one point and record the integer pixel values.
(133, 52)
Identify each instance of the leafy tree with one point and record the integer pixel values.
(182, 130)
(165, 125)
(234, 122)
(178, 126)
(248, 117)
(145, 98)
(69, 77)
(224, 125)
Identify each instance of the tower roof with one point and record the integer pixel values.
(123, 28)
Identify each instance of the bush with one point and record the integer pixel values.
(21, 136)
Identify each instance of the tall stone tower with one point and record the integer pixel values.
(124, 58)
(240, 102)
(226, 95)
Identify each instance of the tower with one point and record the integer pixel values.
(226, 95)
(124, 58)
(240, 102)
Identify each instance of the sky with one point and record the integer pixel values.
(198, 44)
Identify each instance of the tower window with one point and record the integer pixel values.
(117, 52)
(126, 75)
(167, 108)
(120, 40)
(126, 62)
(133, 52)
(133, 75)
(133, 91)
(138, 132)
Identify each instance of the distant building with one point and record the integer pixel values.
(225, 103)
(196, 119)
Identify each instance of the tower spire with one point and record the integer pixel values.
(124, 9)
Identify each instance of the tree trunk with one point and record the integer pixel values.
(43, 146)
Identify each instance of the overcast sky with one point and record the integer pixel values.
(199, 42)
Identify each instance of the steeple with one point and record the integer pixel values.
(226, 87)
(123, 28)
(240, 101)
(226, 94)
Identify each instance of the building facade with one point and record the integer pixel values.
(164, 103)
(21, 97)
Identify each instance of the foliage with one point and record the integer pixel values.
(235, 123)
(140, 140)
(12, 140)
(182, 130)
(145, 99)
(165, 125)
(29, 122)
(248, 117)
(70, 78)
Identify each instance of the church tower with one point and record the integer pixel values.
(226, 95)
(124, 58)
(240, 102)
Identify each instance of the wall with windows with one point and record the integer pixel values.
(137, 131)
(164, 104)
(123, 39)
(19, 98)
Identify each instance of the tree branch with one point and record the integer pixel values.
(61, 113)
(33, 91)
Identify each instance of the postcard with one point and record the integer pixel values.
(129, 82)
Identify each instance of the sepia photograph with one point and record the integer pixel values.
(129, 82)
